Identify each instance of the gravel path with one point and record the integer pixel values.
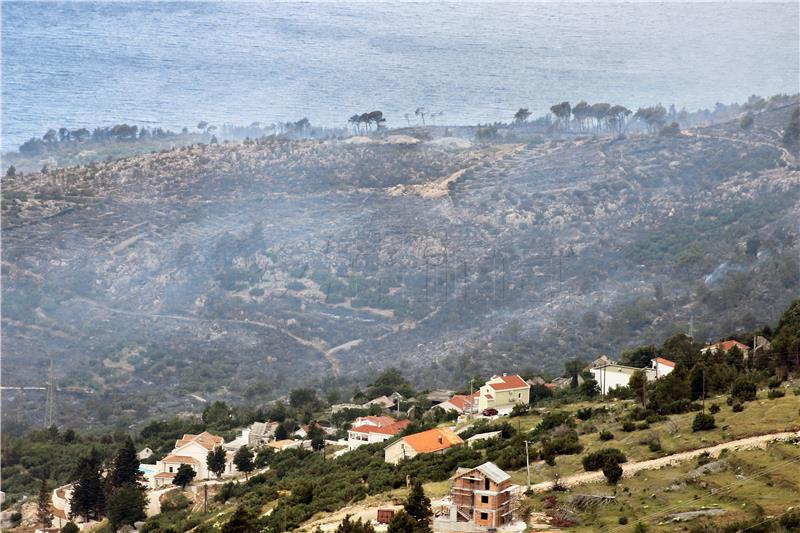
(630, 469)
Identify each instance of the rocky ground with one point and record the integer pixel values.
(241, 270)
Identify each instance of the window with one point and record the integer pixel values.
(486, 484)
(170, 469)
(484, 499)
(484, 516)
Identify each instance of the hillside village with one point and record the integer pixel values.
(508, 453)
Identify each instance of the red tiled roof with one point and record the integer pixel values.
(180, 459)
(432, 440)
(379, 421)
(666, 362)
(509, 382)
(391, 429)
(204, 439)
(462, 401)
(165, 475)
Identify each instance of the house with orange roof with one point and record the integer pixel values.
(502, 392)
(726, 346)
(189, 450)
(461, 403)
(436, 440)
(371, 433)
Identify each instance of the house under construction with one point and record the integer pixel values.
(482, 499)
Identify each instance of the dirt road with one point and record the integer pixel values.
(629, 469)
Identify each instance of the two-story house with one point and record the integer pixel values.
(502, 392)
(481, 499)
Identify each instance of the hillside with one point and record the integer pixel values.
(246, 269)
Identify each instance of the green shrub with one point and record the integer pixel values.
(70, 527)
(613, 472)
(606, 435)
(704, 458)
(654, 446)
(596, 460)
(713, 409)
(642, 426)
(519, 410)
(622, 520)
(628, 426)
(737, 407)
(744, 389)
(776, 393)
(584, 414)
(703, 422)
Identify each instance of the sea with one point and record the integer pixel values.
(174, 64)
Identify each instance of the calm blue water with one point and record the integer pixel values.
(173, 64)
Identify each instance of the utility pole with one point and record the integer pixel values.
(704, 388)
(205, 497)
(528, 464)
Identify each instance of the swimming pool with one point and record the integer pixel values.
(147, 469)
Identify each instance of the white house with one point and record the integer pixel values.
(189, 450)
(613, 375)
(662, 366)
(370, 434)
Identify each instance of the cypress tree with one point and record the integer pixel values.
(88, 498)
(126, 466)
(418, 506)
(43, 517)
(127, 506)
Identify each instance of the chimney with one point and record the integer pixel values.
(439, 438)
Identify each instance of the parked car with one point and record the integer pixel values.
(489, 412)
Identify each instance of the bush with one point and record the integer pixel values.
(606, 435)
(613, 472)
(628, 426)
(584, 414)
(713, 409)
(704, 458)
(654, 446)
(776, 393)
(703, 422)
(70, 527)
(596, 460)
(519, 410)
(737, 407)
(744, 390)
(643, 426)
(622, 520)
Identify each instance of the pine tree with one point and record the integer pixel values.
(126, 466)
(216, 461)
(402, 522)
(127, 506)
(244, 460)
(43, 516)
(88, 497)
(240, 522)
(418, 506)
(184, 476)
